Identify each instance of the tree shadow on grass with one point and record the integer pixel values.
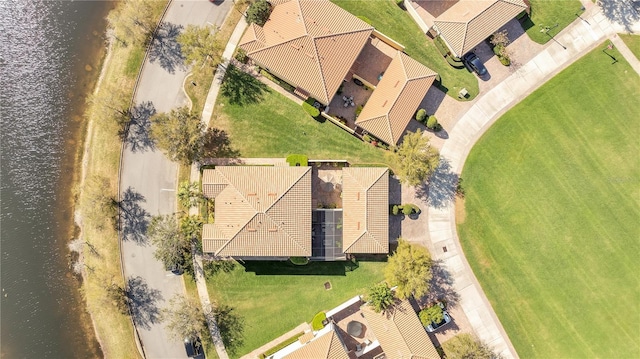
(231, 326)
(138, 132)
(241, 88)
(166, 49)
(625, 13)
(134, 220)
(440, 190)
(143, 302)
(218, 145)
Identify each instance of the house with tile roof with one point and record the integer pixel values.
(354, 330)
(468, 22)
(264, 212)
(316, 46)
(396, 98)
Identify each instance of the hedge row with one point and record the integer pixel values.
(277, 80)
(298, 160)
(278, 347)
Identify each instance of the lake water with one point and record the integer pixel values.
(49, 53)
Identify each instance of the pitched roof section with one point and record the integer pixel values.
(260, 211)
(365, 203)
(311, 44)
(401, 335)
(469, 22)
(396, 98)
(326, 346)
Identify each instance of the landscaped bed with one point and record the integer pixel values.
(552, 207)
(276, 126)
(275, 297)
(396, 23)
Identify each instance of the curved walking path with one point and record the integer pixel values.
(580, 37)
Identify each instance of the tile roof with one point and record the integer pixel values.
(259, 211)
(311, 44)
(396, 98)
(469, 22)
(400, 333)
(327, 346)
(365, 203)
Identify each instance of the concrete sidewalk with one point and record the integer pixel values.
(576, 40)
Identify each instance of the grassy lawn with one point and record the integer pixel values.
(396, 23)
(276, 127)
(552, 207)
(275, 297)
(548, 13)
(632, 42)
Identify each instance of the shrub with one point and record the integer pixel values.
(298, 160)
(314, 112)
(358, 110)
(299, 261)
(277, 80)
(259, 12)
(421, 115)
(241, 56)
(441, 46)
(395, 210)
(400, 3)
(431, 314)
(316, 323)
(367, 138)
(506, 61)
(277, 348)
(432, 123)
(407, 210)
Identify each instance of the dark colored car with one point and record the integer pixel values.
(474, 64)
(193, 347)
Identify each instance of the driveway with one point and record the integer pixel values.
(148, 178)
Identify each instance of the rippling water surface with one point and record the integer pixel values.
(45, 47)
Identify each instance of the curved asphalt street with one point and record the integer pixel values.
(148, 178)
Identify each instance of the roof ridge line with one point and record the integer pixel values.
(287, 191)
(236, 234)
(274, 45)
(322, 75)
(304, 24)
(340, 34)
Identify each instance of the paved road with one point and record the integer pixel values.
(580, 37)
(149, 173)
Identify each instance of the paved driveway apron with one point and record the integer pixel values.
(147, 172)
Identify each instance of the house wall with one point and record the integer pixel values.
(387, 40)
(416, 17)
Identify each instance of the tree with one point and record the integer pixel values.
(172, 247)
(380, 297)
(231, 326)
(188, 194)
(111, 104)
(98, 207)
(119, 297)
(464, 346)
(259, 12)
(132, 21)
(432, 314)
(409, 268)
(179, 133)
(200, 46)
(415, 159)
(184, 318)
(191, 227)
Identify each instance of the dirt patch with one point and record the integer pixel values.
(327, 285)
(461, 214)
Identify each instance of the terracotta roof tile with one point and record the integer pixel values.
(467, 23)
(396, 98)
(401, 335)
(325, 346)
(262, 211)
(311, 44)
(365, 203)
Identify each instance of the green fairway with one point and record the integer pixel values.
(548, 13)
(277, 127)
(632, 42)
(275, 297)
(396, 23)
(553, 211)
